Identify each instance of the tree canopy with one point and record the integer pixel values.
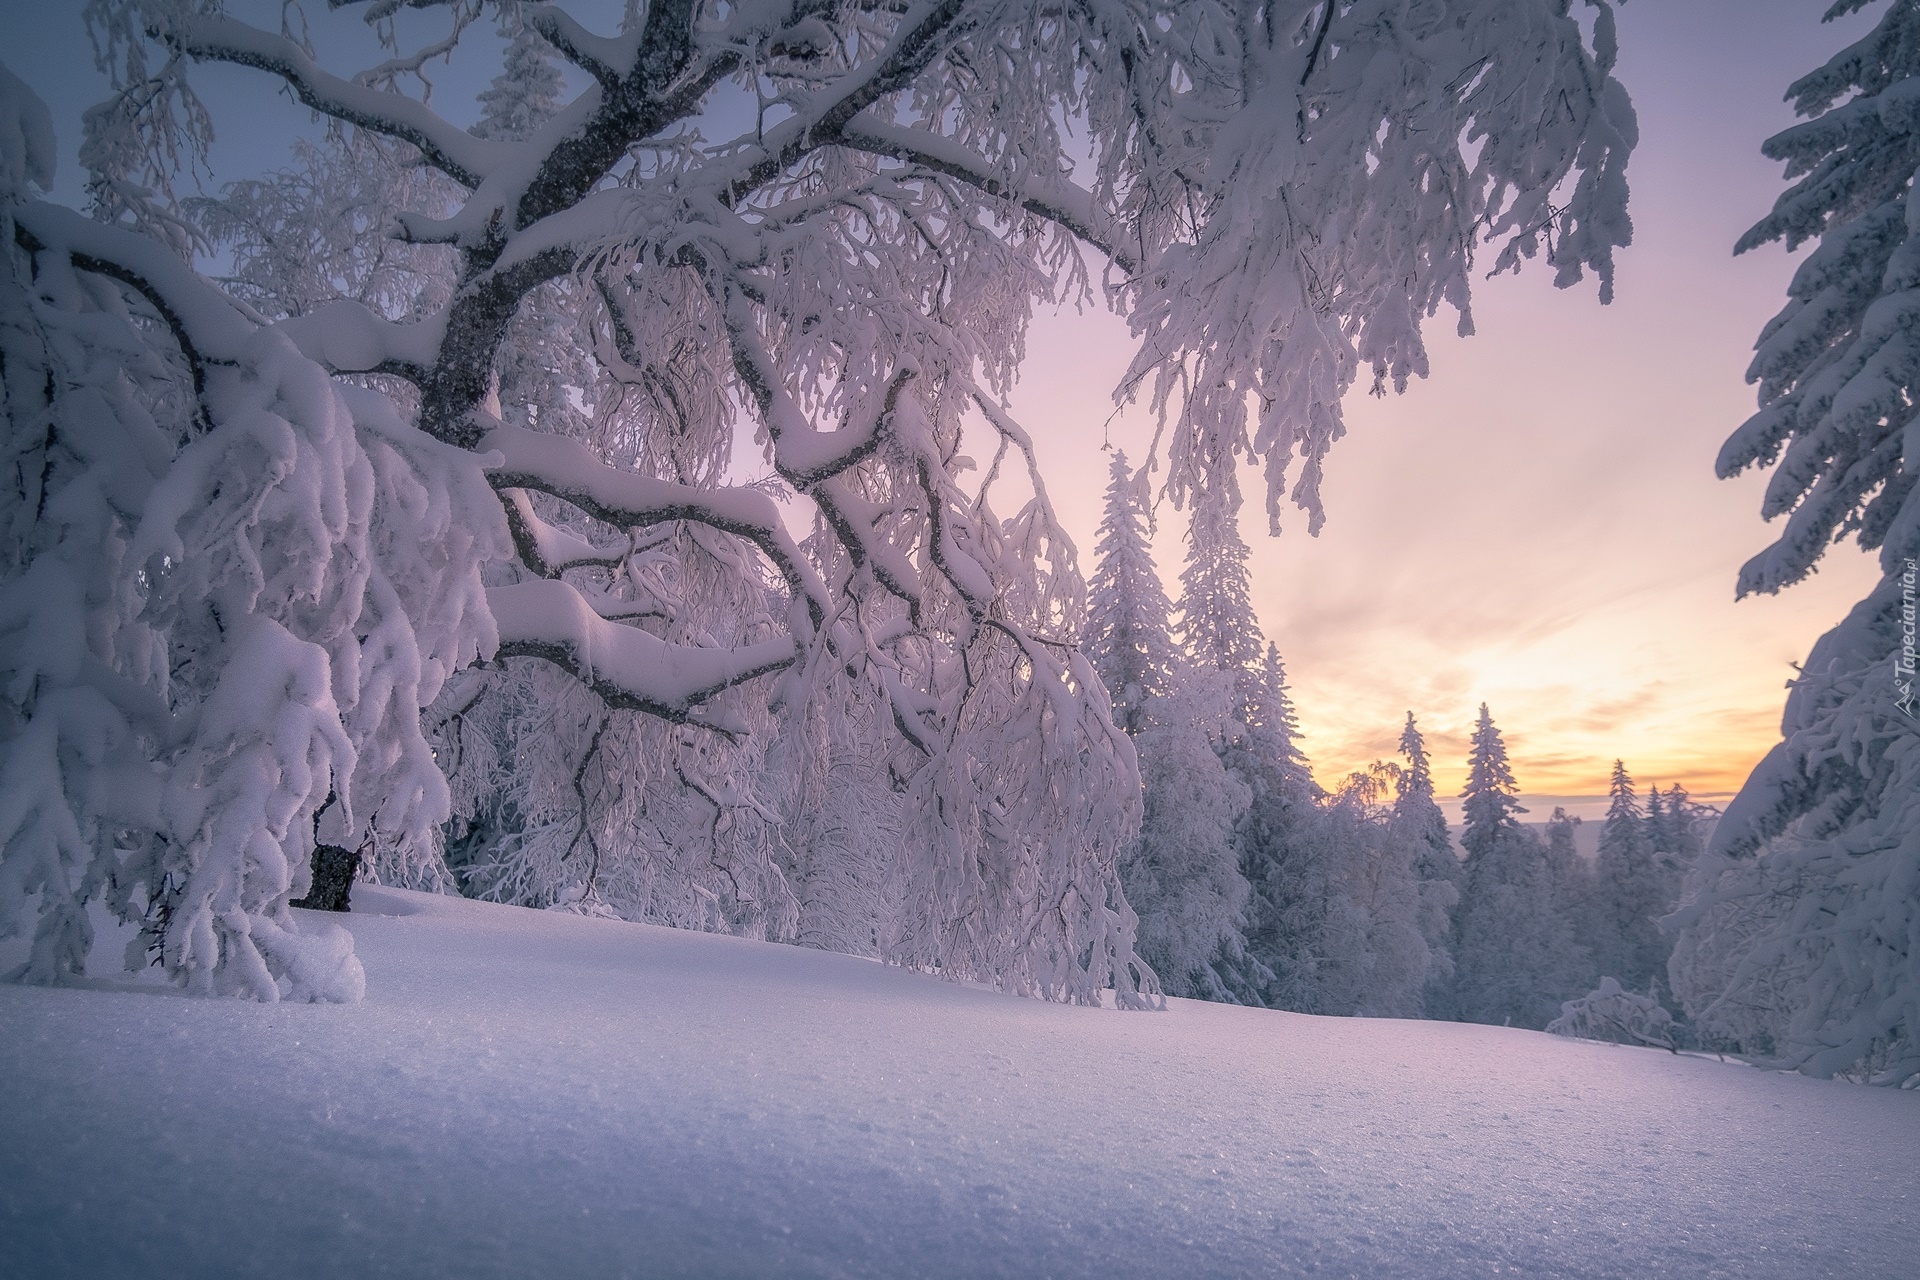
(250, 546)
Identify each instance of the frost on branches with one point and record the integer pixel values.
(275, 521)
(1798, 935)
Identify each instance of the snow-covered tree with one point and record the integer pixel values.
(1183, 873)
(528, 92)
(1128, 639)
(1306, 934)
(1632, 892)
(1675, 826)
(1576, 894)
(1488, 804)
(230, 585)
(1217, 623)
(1337, 915)
(353, 505)
(1513, 957)
(1832, 813)
(1417, 820)
(1385, 884)
(844, 815)
(314, 233)
(1273, 729)
(1290, 860)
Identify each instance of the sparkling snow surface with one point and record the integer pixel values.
(531, 1094)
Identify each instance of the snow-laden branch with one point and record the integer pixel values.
(628, 668)
(550, 551)
(605, 59)
(1058, 199)
(476, 322)
(209, 326)
(449, 148)
(569, 471)
(924, 32)
(347, 337)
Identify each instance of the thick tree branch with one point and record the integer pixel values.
(659, 87)
(447, 147)
(920, 38)
(475, 324)
(628, 668)
(598, 56)
(567, 470)
(548, 551)
(347, 337)
(209, 327)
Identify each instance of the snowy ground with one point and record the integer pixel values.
(529, 1094)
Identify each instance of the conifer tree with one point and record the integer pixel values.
(1830, 819)
(1513, 957)
(1396, 962)
(1657, 829)
(526, 94)
(1182, 875)
(1673, 828)
(1574, 894)
(1273, 730)
(1256, 743)
(1417, 819)
(1217, 624)
(1294, 855)
(1631, 891)
(1488, 804)
(1128, 613)
(1672, 841)
(1305, 938)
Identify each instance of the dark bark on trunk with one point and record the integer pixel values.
(333, 872)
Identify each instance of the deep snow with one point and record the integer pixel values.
(533, 1094)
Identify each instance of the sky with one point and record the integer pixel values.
(1536, 526)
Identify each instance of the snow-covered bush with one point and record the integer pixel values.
(1611, 1013)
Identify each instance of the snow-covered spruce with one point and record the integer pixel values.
(1181, 873)
(1333, 899)
(1514, 957)
(1632, 895)
(1129, 638)
(1417, 821)
(307, 517)
(1799, 937)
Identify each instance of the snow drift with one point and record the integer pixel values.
(529, 1093)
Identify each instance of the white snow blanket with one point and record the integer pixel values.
(531, 1094)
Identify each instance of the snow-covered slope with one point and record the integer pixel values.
(528, 1094)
